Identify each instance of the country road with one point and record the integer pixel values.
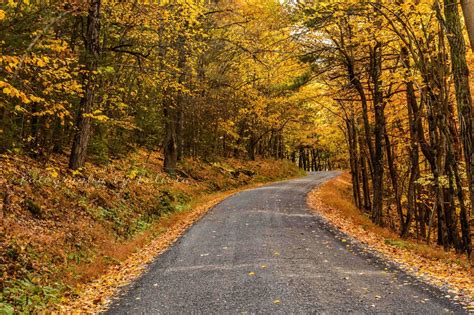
(263, 251)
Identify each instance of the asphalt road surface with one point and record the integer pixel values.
(262, 251)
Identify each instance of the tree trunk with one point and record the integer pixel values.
(300, 159)
(468, 9)
(393, 176)
(170, 146)
(90, 60)
(251, 147)
(354, 161)
(413, 118)
(378, 162)
(360, 90)
(365, 176)
(461, 81)
(414, 160)
(180, 98)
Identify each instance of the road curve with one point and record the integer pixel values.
(263, 251)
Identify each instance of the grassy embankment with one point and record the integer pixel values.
(60, 230)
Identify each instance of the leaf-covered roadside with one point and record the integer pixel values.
(94, 297)
(447, 270)
(61, 229)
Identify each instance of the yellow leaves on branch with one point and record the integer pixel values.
(97, 115)
(14, 4)
(13, 63)
(60, 109)
(50, 81)
(9, 90)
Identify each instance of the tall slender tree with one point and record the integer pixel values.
(468, 9)
(460, 72)
(90, 60)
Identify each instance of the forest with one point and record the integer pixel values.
(379, 88)
(191, 79)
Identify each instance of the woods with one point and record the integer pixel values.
(96, 80)
(118, 117)
(381, 88)
(399, 76)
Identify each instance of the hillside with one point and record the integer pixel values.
(61, 229)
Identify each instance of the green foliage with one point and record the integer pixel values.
(397, 243)
(25, 296)
(168, 201)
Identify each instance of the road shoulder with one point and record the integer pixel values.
(449, 280)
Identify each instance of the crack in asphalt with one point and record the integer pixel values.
(261, 251)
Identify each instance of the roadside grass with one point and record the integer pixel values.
(333, 200)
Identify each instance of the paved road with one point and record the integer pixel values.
(262, 251)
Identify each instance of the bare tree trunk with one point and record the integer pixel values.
(413, 118)
(393, 176)
(170, 151)
(360, 89)
(180, 99)
(414, 160)
(90, 60)
(460, 71)
(468, 9)
(353, 160)
(252, 146)
(378, 162)
(364, 176)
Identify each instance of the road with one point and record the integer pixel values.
(263, 251)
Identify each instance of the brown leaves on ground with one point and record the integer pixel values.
(333, 201)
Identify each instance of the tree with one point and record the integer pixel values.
(460, 72)
(468, 9)
(90, 60)
(381, 87)
(370, 54)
